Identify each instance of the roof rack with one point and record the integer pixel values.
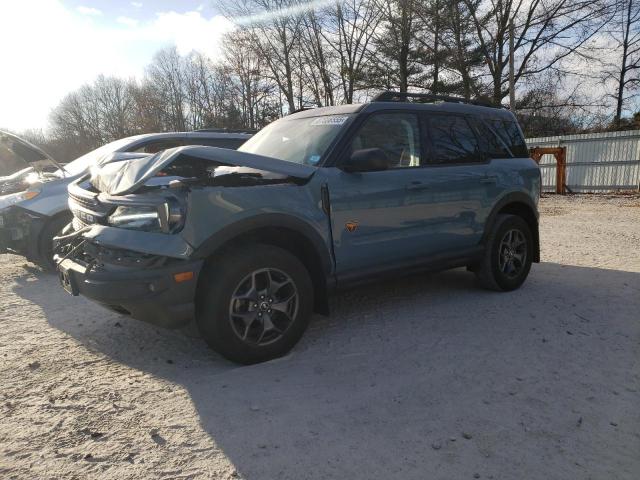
(389, 96)
(301, 109)
(226, 130)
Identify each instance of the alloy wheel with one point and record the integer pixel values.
(263, 306)
(512, 253)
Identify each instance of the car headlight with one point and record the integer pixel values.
(164, 218)
(13, 198)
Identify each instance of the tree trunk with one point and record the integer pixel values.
(623, 68)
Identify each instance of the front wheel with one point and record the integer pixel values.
(508, 255)
(45, 242)
(254, 303)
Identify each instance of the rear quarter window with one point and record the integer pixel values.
(452, 140)
(490, 144)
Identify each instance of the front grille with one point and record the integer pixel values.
(77, 223)
(85, 206)
(89, 202)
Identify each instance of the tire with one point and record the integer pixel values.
(45, 241)
(236, 309)
(507, 259)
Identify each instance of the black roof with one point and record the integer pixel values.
(390, 96)
(411, 101)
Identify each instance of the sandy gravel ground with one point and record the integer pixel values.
(422, 378)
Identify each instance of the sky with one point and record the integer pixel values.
(50, 47)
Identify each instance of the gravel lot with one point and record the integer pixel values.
(426, 377)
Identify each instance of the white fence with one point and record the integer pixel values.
(596, 162)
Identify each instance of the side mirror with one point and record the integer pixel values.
(367, 160)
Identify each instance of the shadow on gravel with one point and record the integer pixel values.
(423, 377)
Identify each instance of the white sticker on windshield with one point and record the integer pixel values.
(330, 120)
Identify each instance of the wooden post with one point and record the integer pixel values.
(560, 154)
(561, 171)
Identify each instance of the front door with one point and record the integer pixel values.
(372, 222)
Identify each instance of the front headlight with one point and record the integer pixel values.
(164, 218)
(12, 199)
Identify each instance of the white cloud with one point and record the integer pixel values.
(270, 15)
(90, 11)
(127, 21)
(136, 4)
(191, 31)
(37, 74)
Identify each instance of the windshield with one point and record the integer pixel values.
(298, 140)
(82, 163)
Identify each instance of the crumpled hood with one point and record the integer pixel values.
(17, 154)
(124, 177)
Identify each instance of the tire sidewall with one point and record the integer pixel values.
(45, 241)
(506, 223)
(219, 282)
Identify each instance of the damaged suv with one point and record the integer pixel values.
(251, 242)
(33, 194)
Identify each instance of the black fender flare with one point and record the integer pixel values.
(268, 220)
(515, 198)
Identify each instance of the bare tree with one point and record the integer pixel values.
(317, 58)
(285, 54)
(624, 67)
(546, 33)
(248, 81)
(115, 100)
(274, 26)
(350, 32)
(165, 80)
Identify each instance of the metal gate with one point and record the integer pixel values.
(595, 162)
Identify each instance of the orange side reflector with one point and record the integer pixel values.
(183, 276)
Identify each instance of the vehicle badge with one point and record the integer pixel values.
(351, 226)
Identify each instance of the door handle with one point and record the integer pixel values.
(417, 186)
(489, 179)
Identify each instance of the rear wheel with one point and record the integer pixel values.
(45, 243)
(508, 254)
(254, 303)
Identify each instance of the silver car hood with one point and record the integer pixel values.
(125, 177)
(24, 155)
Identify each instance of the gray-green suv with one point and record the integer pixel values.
(251, 242)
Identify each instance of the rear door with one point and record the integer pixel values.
(452, 189)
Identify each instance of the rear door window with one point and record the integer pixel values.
(452, 140)
(510, 134)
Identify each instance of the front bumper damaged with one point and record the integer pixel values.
(146, 286)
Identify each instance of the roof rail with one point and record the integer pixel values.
(389, 96)
(301, 109)
(226, 130)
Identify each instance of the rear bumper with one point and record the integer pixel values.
(151, 294)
